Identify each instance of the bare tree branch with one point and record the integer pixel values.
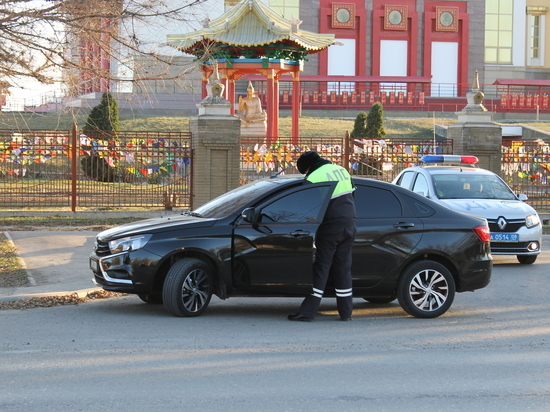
(41, 38)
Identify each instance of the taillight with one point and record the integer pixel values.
(483, 233)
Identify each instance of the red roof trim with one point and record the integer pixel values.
(368, 79)
(522, 82)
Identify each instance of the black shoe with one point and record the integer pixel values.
(346, 319)
(299, 317)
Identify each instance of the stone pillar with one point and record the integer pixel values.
(483, 140)
(216, 147)
(475, 133)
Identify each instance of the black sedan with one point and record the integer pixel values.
(258, 240)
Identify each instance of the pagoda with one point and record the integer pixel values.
(251, 38)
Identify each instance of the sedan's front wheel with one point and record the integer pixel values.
(187, 288)
(426, 289)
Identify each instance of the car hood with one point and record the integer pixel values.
(490, 208)
(158, 224)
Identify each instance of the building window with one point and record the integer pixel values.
(498, 31)
(535, 37)
(536, 21)
(286, 8)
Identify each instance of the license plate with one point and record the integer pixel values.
(504, 237)
(94, 265)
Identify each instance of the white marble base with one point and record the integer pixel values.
(214, 109)
(474, 117)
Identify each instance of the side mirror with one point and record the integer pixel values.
(522, 197)
(248, 215)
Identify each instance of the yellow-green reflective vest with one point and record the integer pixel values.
(330, 173)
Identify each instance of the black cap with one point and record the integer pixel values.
(306, 160)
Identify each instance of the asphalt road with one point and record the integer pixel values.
(490, 352)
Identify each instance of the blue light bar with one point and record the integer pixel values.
(449, 159)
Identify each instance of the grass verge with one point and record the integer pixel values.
(62, 223)
(12, 273)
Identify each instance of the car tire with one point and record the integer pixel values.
(153, 299)
(526, 259)
(426, 289)
(188, 288)
(380, 300)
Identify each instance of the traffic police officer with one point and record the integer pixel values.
(333, 240)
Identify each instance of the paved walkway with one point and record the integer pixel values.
(56, 262)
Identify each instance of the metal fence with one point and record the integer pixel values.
(58, 169)
(263, 158)
(35, 169)
(378, 159)
(383, 159)
(526, 168)
(67, 169)
(525, 163)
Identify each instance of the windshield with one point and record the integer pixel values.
(235, 200)
(471, 186)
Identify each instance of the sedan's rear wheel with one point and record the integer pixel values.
(188, 288)
(526, 259)
(426, 289)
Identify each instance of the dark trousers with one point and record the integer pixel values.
(333, 258)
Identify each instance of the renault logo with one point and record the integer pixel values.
(501, 222)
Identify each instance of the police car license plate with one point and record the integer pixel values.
(504, 237)
(94, 265)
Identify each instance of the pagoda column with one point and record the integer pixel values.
(275, 123)
(231, 93)
(271, 110)
(296, 100)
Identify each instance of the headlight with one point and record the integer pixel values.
(127, 244)
(532, 220)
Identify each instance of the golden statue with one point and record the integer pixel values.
(250, 108)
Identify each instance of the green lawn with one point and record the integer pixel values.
(334, 126)
(309, 126)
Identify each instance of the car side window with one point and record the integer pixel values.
(302, 206)
(373, 202)
(421, 185)
(419, 208)
(406, 179)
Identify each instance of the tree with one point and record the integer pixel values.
(375, 122)
(369, 126)
(104, 116)
(360, 126)
(38, 39)
(103, 120)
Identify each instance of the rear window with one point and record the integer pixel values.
(373, 202)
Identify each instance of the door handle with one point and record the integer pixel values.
(299, 233)
(403, 225)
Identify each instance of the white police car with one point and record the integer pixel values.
(515, 226)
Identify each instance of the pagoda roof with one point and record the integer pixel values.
(251, 24)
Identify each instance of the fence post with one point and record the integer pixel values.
(74, 163)
(347, 151)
